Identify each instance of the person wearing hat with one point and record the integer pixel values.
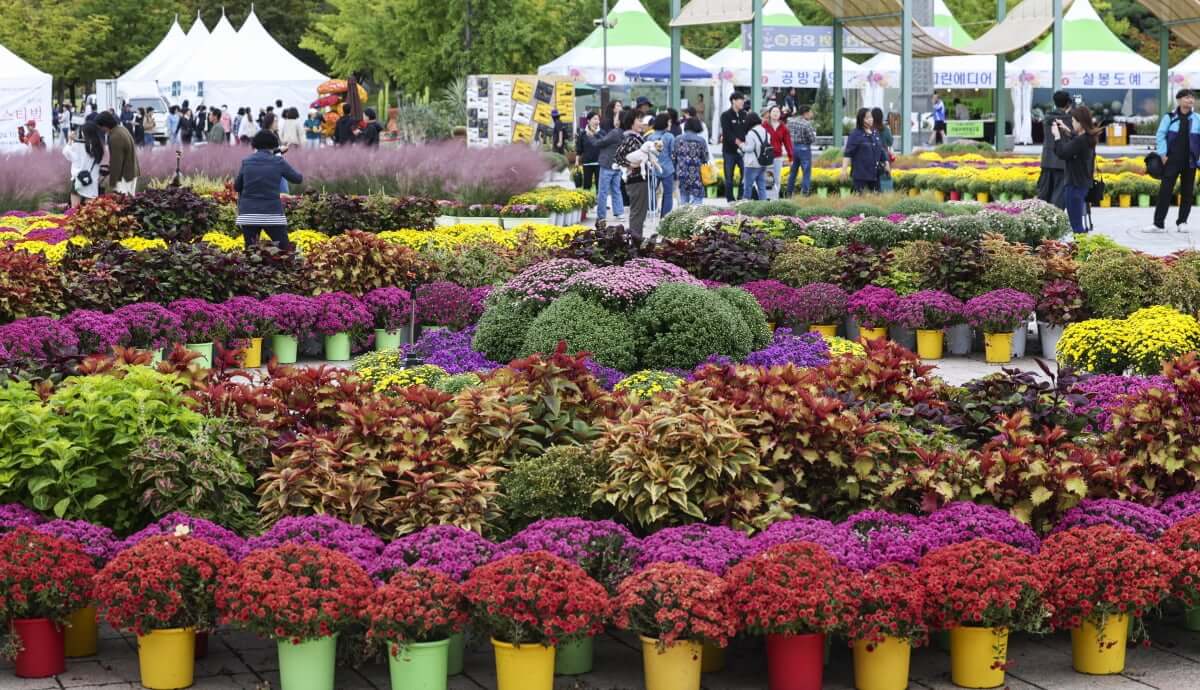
(558, 138)
(29, 136)
(733, 135)
(1179, 146)
(643, 106)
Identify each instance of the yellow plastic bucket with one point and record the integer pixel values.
(939, 196)
(524, 667)
(872, 333)
(712, 659)
(1125, 200)
(678, 667)
(826, 329)
(252, 355)
(884, 667)
(1100, 652)
(82, 633)
(981, 197)
(977, 656)
(929, 344)
(167, 658)
(997, 347)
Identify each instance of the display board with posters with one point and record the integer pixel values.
(515, 108)
(20, 102)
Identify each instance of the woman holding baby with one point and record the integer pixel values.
(634, 124)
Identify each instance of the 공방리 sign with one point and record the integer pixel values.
(965, 129)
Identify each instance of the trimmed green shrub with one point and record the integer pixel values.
(1181, 284)
(558, 483)
(586, 326)
(683, 221)
(865, 210)
(1117, 283)
(751, 313)
(760, 209)
(799, 264)
(915, 205)
(501, 331)
(680, 326)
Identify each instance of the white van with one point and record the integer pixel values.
(160, 114)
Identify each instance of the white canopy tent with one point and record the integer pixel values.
(24, 96)
(163, 53)
(633, 41)
(158, 74)
(1186, 74)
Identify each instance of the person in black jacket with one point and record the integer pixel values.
(1076, 146)
(257, 184)
(733, 135)
(588, 151)
(343, 131)
(864, 157)
(1053, 176)
(369, 136)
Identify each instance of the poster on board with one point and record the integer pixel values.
(20, 102)
(504, 109)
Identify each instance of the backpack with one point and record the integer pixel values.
(766, 152)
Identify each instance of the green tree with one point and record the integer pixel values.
(51, 36)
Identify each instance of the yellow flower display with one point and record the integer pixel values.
(465, 235)
(841, 346)
(307, 239)
(10, 236)
(646, 384)
(557, 199)
(223, 242)
(141, 244)
(1141, 342)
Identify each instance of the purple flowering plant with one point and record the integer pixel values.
(1102, 394)
(962, 521)
(447, 549)
(712, 548)
(479, 296)
(929, 310)
(442, 303)
(786, 347)
(604, 549)
(836, 539)
(1144, 521)
(1181, 506)
(97, 541)
(452, 351)
(873, 306)
(293, 315)
(545, 281)
(819, 303)
(97, 332)
(38, 339)
(247, 317)
(774, 297)
(339, 312)
(151, 326)
(201, 321)
(356, 541)
(14, 515)
(198, 528)
(998, 311)
(886, 538)
(391, 307)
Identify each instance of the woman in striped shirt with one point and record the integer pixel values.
(260, 208)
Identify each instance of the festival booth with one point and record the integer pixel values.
(660, 70)
(1093, 59)
(24, 96)
(634, 40)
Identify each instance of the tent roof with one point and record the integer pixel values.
(267, 56)
(661, 69)
(165, 51)
(949, 71)
(1084, 30)
(634, 41)
(13, 67)
(775, 13)
(943, 18)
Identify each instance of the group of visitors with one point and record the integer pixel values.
(85, 150)
(1068, 164)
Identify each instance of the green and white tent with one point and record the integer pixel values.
(635, 40)
(1092, 58)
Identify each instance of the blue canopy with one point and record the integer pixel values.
(660, 70)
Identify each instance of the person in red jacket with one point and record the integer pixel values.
(781, 142)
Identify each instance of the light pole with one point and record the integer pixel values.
(604, 25)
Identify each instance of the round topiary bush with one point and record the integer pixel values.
(915, 205)
(500, 334)
(751, 313)
(1116, 283)
(799, 264)
(679, 326)
(586, 326)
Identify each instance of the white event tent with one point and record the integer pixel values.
(1186, 74)
(158, 73)
(634, 40)
(24, 96)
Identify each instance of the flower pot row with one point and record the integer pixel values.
(561, 218)
(999, 348)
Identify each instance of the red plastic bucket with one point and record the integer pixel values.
(795, 662)
(43, 648)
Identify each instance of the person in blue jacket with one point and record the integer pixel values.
(259, 207)
(1179, 154)
(864, 157)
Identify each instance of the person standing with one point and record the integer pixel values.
(666, 160)
(610, 174)
(227, 123)
(587, 150)
(558, 135)
(343, 132)
(758, 140)
(961, 111)
(248, 128)
(173, 125)
(187, 127)
(863, 158)
(803, 137)
(139, 127)
(85, 154)
(30, 136)
(1053, 174)
(733, 135)
(369, 135)
(216, 132)
(149, 124)
(65, 121)
(676, 127)
(885, 140)
(634, 124)
(1178, 140)
(781, 143)
(1076, 146)
(123, 170)
(939, 120)
(611, 119)
(700, 107)
(313, 128)
(291, 130)
(258, 183)
(691, 152)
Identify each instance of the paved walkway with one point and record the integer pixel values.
(241, 661)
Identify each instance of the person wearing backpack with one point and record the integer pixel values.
(758, 157)
(781, 144)
(864, 158)
(1179, 153)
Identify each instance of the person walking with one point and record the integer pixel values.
(139, 127)
(939, 120)
(216, 132)
(885, 140)
(587, 151)
(85, 154)
(610, 174)
(803, 137)
(863, 158)
(664, 178)
(1053, 175)
(369, 135)
(634, 125)
(559, 133)
(1178, 140)
(173, 125)
(227, 123)
(781, 143)
(733, 135)
(291, 130)
(258, 182)
(756, 144)
(248, 128)
(123, 170)
(1076, 146)
(691, 152)
(65, 121)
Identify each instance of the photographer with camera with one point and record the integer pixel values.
(84, 150)
(1053, 179)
